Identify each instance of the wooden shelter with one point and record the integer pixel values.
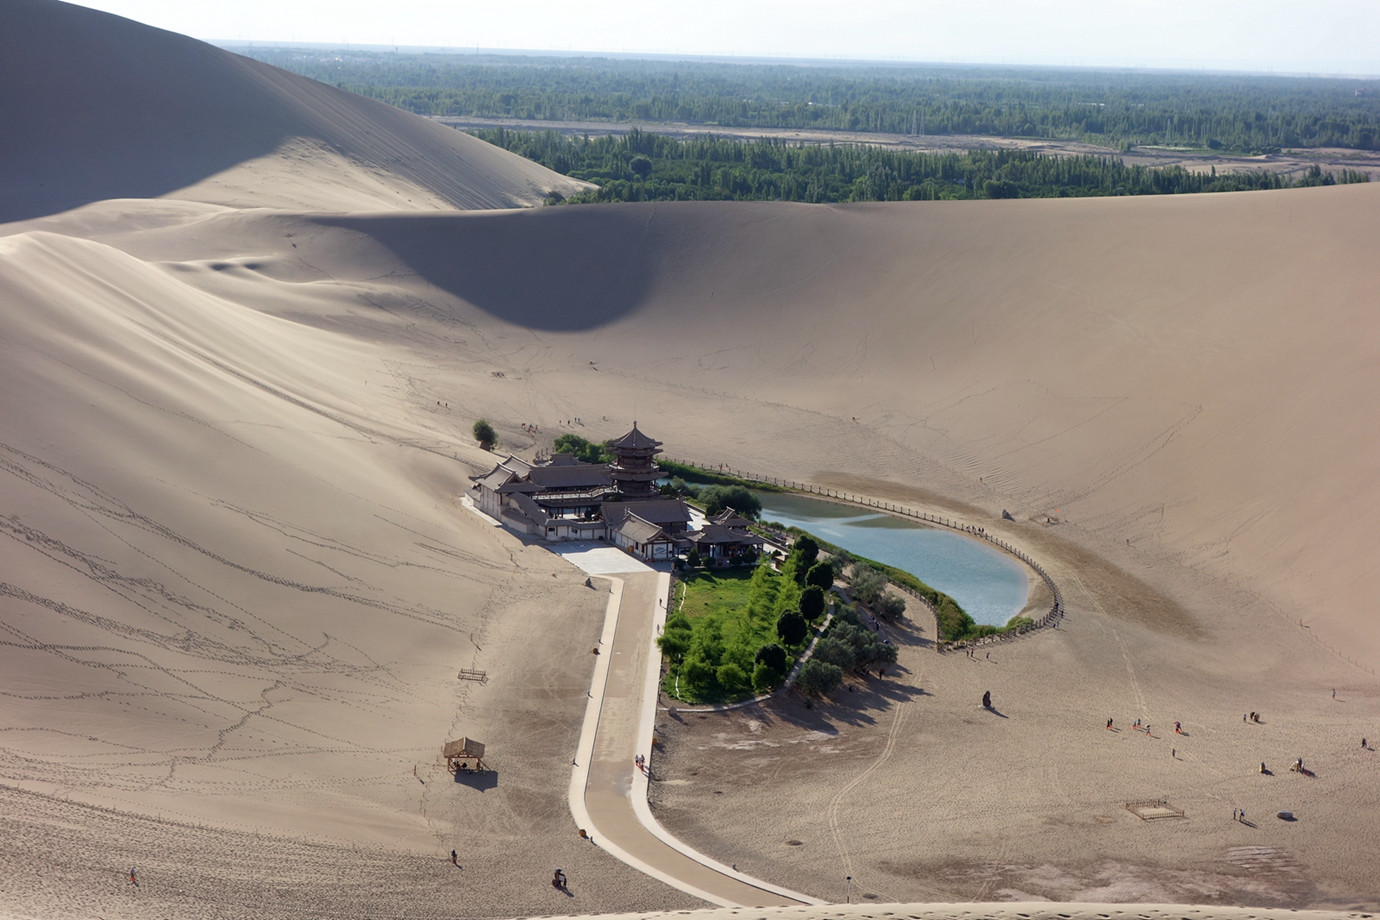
(464, 750)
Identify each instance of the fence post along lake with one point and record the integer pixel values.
(988, 584)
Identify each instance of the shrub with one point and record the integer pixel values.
(732, 678)
(765, 678)
(791, 628)
(674, 643)
(817, 678)
(697, 672)
(812, 603)
(484, 434)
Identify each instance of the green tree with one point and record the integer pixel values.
(806, 552)
(867, 582)
(717, 498)
(581, 449)
(812, 603)
(817, 678)
(889, 606)
(484, 434)
(774, 657)
(791, 628)
(821, 575)
(836, 651)
(640, 166)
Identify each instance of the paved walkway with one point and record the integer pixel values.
(608, 793)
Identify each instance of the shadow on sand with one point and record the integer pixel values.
(481, 780)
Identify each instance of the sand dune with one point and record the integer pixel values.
(110, 108)
(236, 582)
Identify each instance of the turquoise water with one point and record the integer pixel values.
(987, 583)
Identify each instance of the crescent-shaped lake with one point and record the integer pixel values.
(987, 583)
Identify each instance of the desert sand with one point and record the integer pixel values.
(238, 370)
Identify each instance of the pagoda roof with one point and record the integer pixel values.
(634, 440)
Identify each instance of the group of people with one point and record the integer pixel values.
(1140, 726)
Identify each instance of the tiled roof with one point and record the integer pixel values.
(658, 511)
(635, 440)
(495, 478)
(719, 535)
(517, 465)
(531, 510)
(518, 485)
(575, 476)
(636, 530)
(729, 518)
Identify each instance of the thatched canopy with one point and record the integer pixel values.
(463, 747)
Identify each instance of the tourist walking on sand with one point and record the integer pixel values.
(454, 858)
(133, 879)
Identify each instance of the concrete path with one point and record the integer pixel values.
(608, 792)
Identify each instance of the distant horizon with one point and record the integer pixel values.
(1332, 38)
(234, 44)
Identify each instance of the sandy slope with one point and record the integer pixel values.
(110, 108)
(236, 584)
(270, 515)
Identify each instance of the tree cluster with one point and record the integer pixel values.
(709, 168)
(1234, 112)
(582, 449)
(726, 657)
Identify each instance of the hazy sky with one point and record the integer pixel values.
(1320, 36)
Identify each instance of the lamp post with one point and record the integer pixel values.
(848, 894)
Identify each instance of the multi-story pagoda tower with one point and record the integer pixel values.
(634, 468)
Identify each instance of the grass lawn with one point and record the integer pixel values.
(721, 621)
(716, 592)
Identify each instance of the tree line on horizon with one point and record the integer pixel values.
(644, 166)
(1236, 113)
